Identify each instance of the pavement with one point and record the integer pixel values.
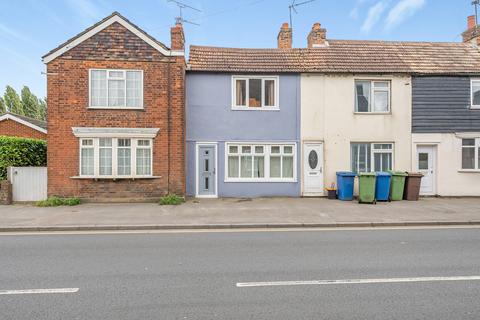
(196, 275)
(241, 213)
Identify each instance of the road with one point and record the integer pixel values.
(195, 275)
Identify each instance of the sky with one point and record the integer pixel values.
(31, 28)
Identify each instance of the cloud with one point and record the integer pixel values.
(373, 16)
(12, 33)
(403, 10)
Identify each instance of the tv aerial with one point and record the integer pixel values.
(294, 5)
(181, 6)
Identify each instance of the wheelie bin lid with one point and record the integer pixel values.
(398, 173)
(383, 174)
(346, 174)
(367, 174)
(415, 174)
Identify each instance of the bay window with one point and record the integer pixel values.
(471, 154)
(116, 88)
(372, 96)
(255, 93)
(115, 157)
(260, 162)
(368, 157)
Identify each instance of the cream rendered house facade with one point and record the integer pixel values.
(351, 139)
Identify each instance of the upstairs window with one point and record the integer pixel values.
(372, 96)
(116, 89)
(255, 93)
(475, 92)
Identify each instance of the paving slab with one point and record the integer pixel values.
(237, 213)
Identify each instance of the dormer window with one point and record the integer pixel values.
(255, 93)
(116, 89)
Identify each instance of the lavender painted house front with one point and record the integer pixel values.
(243, 133)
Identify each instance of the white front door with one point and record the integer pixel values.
(426, 164)
(313, 169)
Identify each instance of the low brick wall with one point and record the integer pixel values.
(5, 192)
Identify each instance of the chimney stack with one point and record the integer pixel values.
(177, 37)
(317, 37)
(473, 31)
(284, 38)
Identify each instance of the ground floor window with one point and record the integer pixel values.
(260, 162)
(115, 157)
(367, 157)
(471, 154)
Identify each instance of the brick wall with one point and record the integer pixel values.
(116, 48)
(5, 192)
(14, 129)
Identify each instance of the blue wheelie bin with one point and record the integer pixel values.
(382, 189)
(345, 182)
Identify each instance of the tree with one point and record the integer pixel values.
(2, 106)
(30, 103)
(12, 101)
(42, 109)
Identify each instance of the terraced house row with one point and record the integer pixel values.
(130, 118)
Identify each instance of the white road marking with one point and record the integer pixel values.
(39, 291)
(355, 281)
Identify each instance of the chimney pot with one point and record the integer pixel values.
(284, 38)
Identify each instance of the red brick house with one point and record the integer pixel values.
(116, 114)
(15, 125)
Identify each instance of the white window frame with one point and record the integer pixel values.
(476, 152)
(124, 71)
(276, 80)
(473, 106)
(372, 96)
(115, 175)
(267, 154)
(372, 154)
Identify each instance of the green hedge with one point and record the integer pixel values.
(21, 152)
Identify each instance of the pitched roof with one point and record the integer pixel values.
(344, 56)
(33, 123)
(99, 26)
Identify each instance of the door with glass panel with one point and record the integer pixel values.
(206, 171)
(426, 165)
(313, 169)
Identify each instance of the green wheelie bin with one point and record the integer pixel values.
(398, 185)
(366, 187)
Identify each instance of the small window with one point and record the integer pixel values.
(372, 96)
(116, 89)
(255, 93)
(87, 157)
(470, 154)
(475, 88)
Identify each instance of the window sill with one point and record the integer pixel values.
(255, 108)
(474, 107)
(373, 113)
(115, 178)
(260, 180)
(469, 170)
(117, 108)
